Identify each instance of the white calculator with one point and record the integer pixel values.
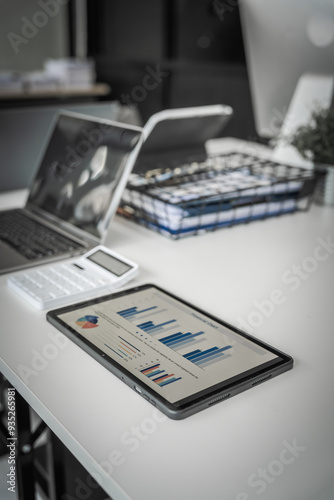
(99, 270)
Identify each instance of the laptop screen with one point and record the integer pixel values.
(81, 169)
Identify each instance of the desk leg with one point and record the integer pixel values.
(41, 468)
(25, 452)
(56, 460)
(30, 473)
(3, 428)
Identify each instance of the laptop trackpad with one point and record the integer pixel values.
(9, 257)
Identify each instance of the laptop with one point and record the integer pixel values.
(75, 193)
(29, 126)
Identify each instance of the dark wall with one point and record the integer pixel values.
(160, 54)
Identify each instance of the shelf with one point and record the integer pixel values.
(100, 89)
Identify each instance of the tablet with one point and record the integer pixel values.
(176, 356)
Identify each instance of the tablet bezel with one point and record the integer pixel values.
(197, 401)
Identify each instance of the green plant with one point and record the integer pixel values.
(315, 141)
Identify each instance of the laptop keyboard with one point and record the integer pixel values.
(32, 239)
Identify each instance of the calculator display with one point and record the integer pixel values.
(110, 263)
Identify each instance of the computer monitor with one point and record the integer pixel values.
(284, 39)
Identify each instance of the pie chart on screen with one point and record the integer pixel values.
(87, 321)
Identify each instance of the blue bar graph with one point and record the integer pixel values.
(132, 311)
(180, 339)
(154, 321)
(199, 357)
(150, 327)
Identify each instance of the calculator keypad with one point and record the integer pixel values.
(59, 281)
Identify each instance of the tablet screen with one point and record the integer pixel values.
(166, 344)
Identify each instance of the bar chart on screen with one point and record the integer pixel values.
(193, 346)
(158, 375)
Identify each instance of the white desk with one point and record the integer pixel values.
(275, 441)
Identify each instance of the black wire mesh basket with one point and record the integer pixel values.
(222, 191)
